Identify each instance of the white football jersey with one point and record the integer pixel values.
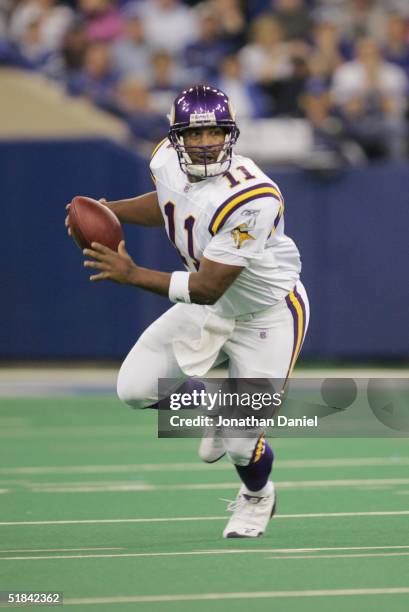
(235, 219)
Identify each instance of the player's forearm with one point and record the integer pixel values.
(151, 280)
(141, 210)
(200, 291)
(203, 290)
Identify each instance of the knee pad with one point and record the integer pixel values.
(134, 391)
(239, 450)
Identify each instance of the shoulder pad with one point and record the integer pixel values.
(239, 199)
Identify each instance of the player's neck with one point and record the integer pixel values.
(194, 179)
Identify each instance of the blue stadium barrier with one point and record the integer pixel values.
(352, 231)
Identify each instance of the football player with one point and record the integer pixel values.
(240, 297)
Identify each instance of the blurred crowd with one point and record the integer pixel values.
(341, 64)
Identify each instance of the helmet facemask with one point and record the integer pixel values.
(209, 166)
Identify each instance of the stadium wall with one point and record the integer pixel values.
(351, 230)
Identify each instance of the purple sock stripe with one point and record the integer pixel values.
(295, 324)
(233, 197)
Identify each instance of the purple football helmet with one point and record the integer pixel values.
(203, 106)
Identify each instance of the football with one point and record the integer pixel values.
(90, 221)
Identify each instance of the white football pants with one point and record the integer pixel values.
(263, 345)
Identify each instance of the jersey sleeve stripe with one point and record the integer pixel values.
(279, 215)
(277, 219)
(158, 146)
(245, 196)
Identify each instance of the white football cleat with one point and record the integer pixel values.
(251, 514)
(211, 447)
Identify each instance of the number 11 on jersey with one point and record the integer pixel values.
(169, 209)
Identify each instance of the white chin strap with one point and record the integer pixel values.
(202, 170)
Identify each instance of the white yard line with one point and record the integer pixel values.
(344, 556)
(31, 550)
(199, 467)
(200, 518)
(57, 431)
(196, 553)
(237, 595)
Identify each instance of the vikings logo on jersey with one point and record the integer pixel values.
(241, 233)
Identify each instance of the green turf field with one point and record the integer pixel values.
(94, 505)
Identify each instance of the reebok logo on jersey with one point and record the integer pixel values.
(251, 217)
(240, 234)
(250, 213)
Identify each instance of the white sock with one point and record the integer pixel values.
(266, 490)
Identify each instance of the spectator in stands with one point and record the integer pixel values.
(104, 21)
(204, 56)
(134, 105)
(97, 79)
(318, 75)
(73, 49)
(232, 22)
(284, 48)
(331, 147)
(165, 81)
(249, 100)
(131, 52)
(32, 51)
(317, 105)
(370, 95)
(359, 18)
(293, 17)
(169, 24)
(5, 7)
(277, 66)
(396, 45)
(326, 128)
(53, 22)
(266, 58)
(326, 47)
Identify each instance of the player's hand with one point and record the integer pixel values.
(115, 266)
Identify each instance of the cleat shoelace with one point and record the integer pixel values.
(232, 504)
(236, 504)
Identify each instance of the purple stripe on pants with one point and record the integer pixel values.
(299, 298)
(296, 323)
